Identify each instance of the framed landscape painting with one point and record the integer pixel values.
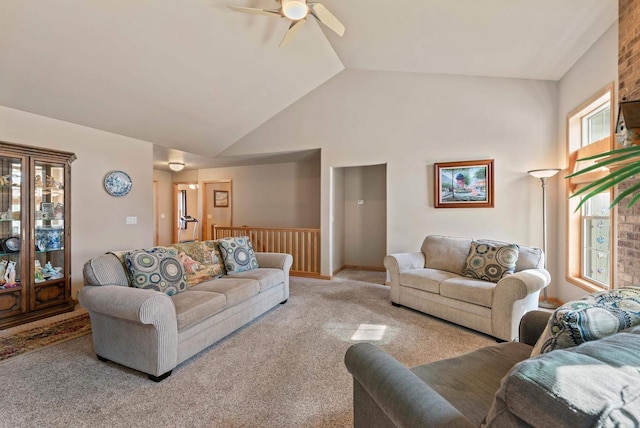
(220, 198)
(465, 184)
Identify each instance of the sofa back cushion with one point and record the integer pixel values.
(446, 253)
(529, 258)
(106, 269)
(594, 384)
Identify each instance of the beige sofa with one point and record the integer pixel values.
(153, 332)
(432, 281)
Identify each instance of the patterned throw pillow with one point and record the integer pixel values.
(593, 317)
(490, 261)
(199, 262)
(238, 254)
(214, 247)
(157, 268)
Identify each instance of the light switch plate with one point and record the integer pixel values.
(132, 220)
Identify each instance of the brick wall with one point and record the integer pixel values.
(628, 261)
(629, 50)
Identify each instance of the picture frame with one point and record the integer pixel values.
(464, 184)
(220, 198)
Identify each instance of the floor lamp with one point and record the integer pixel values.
(543, 175)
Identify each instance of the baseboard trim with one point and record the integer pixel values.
(369, 268)
(309, 275)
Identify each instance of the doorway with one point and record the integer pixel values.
(217, 206)
(359, 223)
(185, 203)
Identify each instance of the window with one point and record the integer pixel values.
(590, 237)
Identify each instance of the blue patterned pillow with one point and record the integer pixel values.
(490, 261)
(237, 254)
(157, 268)
(593, 317)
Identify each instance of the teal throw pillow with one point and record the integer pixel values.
(593, 317)
(157, 268)
(490, 261)
(237, 254)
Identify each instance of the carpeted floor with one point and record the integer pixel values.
(285, 369)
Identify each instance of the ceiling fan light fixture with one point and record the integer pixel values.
(295, 9)
(176, 166)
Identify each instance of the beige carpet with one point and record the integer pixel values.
(285, 369)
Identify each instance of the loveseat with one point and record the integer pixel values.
(153, 331)
(442, 280)
(594, 384)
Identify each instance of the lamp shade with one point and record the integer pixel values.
(543, 173)
(295, 9)
(176, 166)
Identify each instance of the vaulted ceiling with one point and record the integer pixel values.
(193, 77)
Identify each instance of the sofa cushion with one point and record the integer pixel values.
(592, 317)
(425, 279)
(106, 269)
(266, 277)
(490, 261)
(470, 381)
(199, 262)
(446, 253)
(594, 384)
(236, 290)
(194, 306)
(468, 290)
(237, 253)
(156, 268)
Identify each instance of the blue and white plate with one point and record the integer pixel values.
(117, 183)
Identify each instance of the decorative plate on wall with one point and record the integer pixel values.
(117, 183)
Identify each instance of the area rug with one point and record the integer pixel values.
(44, 335)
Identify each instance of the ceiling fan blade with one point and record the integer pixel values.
(293, 29)
(323, 15)
(254, 11)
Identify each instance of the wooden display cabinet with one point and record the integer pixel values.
(35, 226)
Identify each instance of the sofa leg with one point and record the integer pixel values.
(161, 377)
(284, 301)
(103, 359)
(396, 304)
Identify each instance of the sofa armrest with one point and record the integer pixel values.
(397, 263)
(133, 304)
(275, 260)
(401, 395)
(133, 327)
(532, 325)
(514, 296)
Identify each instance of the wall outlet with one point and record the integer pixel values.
(360, 201)
(132, 220)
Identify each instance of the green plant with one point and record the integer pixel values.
(627, 163)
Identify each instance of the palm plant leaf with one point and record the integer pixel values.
(629, 157)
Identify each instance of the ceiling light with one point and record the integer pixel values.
(176, 166)
(295, 9)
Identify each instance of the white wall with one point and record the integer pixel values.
(165, 206)
(337, 231)
(97, 219)
(272, 195)
(365, 238)
(409, 121)
(597, 68)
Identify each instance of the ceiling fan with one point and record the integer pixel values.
(297, 11)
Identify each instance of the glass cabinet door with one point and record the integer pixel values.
(12, 297)
(49, 234)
